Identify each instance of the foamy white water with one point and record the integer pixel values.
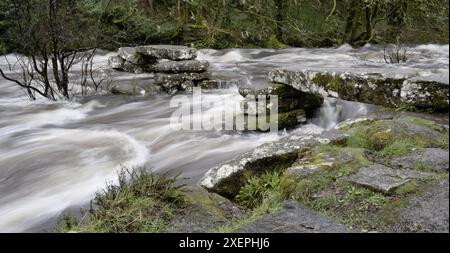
(56, 155)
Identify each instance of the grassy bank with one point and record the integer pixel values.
(140, 202)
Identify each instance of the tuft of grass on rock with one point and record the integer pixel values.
(398, 148)
(139, 202)
(257, 188)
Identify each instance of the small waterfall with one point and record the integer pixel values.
(328, 115)
(335, 111)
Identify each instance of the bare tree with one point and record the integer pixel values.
(395, 54)
(53, 37)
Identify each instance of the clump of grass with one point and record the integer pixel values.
(358, 139)
(397, 148)
(257, 188)
(140, 202)
(374, 137)
(376, 200)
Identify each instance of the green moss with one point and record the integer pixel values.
(357, 153)
(331, 83)
(407, 188)
(204, 198)
(290, 119)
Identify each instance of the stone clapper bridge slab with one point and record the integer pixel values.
(379, 86)
(175, 68)
(172, 69)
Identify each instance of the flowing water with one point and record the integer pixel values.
(56, 155)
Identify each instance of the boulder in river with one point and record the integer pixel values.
(294, 106)
(288, 98)
(116, 62)
(175, 66)
(131, 55)
(173, 82)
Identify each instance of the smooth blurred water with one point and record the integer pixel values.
(56, 155)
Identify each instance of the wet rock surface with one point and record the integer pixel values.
(384, 179)
(172, 83)
(433, 159)
(428, 212)
(171, 52)
(386, 89)
(294, 218)
(187, 66)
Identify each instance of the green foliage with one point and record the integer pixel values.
(274, 43)
(258, 188)
(255, 23)
(139, 202)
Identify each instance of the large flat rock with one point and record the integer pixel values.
(170, 52)
(294, 218)
(384, 179)
(434, 159)
(179, 66)
(386, 88)
(228, 178)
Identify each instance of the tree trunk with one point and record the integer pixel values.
(279, 18)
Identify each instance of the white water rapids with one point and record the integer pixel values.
(55, 155)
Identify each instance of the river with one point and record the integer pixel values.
(54, 156)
